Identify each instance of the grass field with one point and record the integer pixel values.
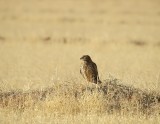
(41, 43)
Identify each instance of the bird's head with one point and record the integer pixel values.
(86, 58)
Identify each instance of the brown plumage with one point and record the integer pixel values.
(89, 70)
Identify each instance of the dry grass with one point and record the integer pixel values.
(110, 97)
(68, 103)
(40, 46)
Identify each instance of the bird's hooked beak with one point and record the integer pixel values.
(81, 58)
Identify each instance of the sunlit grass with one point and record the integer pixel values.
(40, 46)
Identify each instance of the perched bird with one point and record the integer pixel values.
(88, 70)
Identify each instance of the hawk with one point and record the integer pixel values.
(88, 70)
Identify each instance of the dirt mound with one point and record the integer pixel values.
(116, 97)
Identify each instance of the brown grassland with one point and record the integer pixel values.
(41, 42)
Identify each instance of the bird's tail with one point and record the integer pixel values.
(99, 82)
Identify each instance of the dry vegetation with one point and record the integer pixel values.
(40, 46)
